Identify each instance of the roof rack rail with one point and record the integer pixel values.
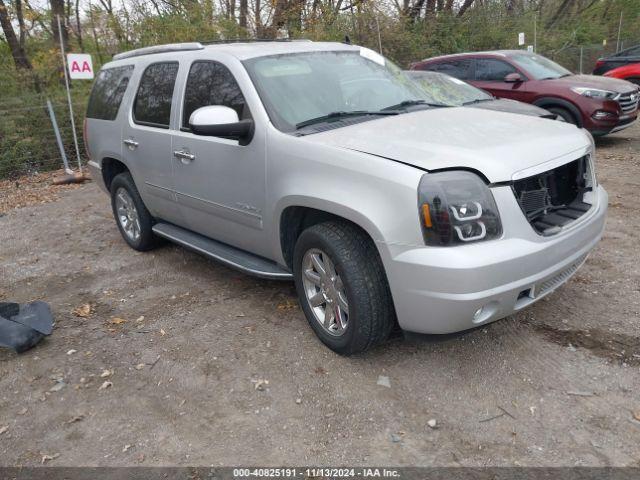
(171, 47)
(253, 40)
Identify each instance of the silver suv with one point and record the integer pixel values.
(324, 164)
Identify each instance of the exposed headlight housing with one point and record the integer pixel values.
(456, 208)
(595, 93)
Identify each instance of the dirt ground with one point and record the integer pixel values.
(183, 349)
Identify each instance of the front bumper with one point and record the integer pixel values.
(445, 290)
(603, 128)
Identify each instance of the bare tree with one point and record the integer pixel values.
(16, 45)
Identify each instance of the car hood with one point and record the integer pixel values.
(512, 106)
(593, 81)
(494, 143)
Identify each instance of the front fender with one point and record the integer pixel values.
(377, 194)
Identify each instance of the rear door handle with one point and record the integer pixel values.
(132, 144)
(185, 157)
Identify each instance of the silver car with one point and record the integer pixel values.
(324, 164)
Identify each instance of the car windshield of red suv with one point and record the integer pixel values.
(539, 68)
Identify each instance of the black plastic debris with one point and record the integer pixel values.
(23, 326)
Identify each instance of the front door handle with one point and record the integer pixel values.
(185, 157)
(132, 144)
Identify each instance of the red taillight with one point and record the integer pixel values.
(599, 63)
(85, 139)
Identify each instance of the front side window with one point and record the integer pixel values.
(539, 67)
(492, 70)
(211, 83)
(459, 68)
(152, 106)
(108, 92)
(298, 87)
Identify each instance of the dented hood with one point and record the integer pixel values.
(497, 144)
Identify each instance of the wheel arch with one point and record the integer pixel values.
(549, 102)
(300, 213)
(111, 167)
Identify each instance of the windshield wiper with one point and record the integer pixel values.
(477, 100)
(339, 115)
(411, 103)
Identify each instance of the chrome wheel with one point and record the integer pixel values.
(128, 215)
(325, 292)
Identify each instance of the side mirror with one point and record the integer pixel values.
(513, 77)
(220, 121)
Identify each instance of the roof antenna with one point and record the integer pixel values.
(347, 40)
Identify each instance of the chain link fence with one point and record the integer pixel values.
(582, 59)
(27, 138)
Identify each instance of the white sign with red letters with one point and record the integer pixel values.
(80, 66)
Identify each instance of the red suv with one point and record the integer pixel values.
(601, 105)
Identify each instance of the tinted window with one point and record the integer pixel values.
(491, 70)
(108, 91)
(456, 68)
(153, 101)
(211, 83)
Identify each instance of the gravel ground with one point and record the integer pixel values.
(186, 348)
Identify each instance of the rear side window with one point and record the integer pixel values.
(153, 100)
(211, 83)
(492, 70)
(460, 68)
(108, 92)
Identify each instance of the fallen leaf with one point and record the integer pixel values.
(83, 311)
(105, 385)
(140, 366)
(126, 448)
(47, 458)
(75, 419)
(3, 429)
(288, 305)
(162, 332)
(117, 321)
(106, 373)
(140, 319)
(23, 411)
(71, 352)
(636, 415)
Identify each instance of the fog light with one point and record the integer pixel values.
(485, 312)
(603, 115)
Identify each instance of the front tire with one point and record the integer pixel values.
(132, 217)
(342, 287)
(564, 115)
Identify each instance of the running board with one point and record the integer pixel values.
(221, 252)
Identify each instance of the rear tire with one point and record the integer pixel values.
(564, 115)
(132, 217)
(349, 306)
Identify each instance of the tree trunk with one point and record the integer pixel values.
(58, 10)
(244, 12)
(79, 26)
(17, 50)
(464, 7)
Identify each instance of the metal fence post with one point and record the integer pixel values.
(63, 154)
(581, 57)
(66, 81)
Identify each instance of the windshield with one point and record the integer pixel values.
(448, 90)
(538, 67)
(299, 87)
